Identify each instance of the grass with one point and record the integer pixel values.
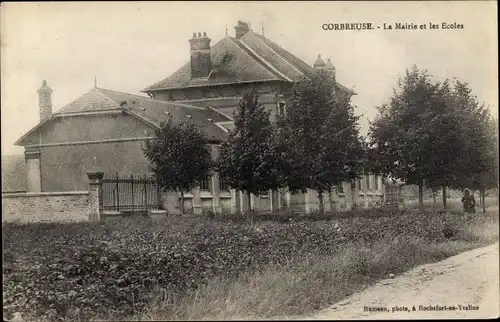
(313, 282)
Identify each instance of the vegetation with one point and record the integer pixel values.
(320, 136)
(191, 268)
(179, 157)
(434, 134)
(250, 160)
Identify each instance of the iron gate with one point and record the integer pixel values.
(130, 193)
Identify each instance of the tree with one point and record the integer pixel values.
(401, 135)
(431, 134)
(179, 157)
(250, 159)
(320, 134)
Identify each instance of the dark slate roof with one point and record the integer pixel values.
(13, 173)
(147, 109)
(252, 58)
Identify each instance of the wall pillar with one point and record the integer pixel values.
(234, 201)
(33, 171)
(252, 201)
(288, 199)
(197, 207)
(307, 201)
(217, 207)
(280, 199)
(243, 201)
(271, 200)
(95, 195)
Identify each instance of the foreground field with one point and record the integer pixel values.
(221, 268)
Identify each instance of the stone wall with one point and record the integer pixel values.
(45, 207)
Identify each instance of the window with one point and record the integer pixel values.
(223, 184)
(340, 188)
(377, 186)
(206, 183)
(359, 185)
(281, 108)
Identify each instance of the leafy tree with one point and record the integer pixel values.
(320, 135)
(432, 134)
(250, 158)
(179, 157)
(400, 135)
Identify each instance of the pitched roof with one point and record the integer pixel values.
(13, 173)
(147, 109)
(252, 58)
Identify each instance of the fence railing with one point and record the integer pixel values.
(130, 193)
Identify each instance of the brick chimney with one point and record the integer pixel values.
(45, 101)
(241, 29)
(201, 64)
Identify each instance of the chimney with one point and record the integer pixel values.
(45, 101)
(319, 63)
(201, 64)
(241, 29)
(330, 67)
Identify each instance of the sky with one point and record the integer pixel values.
(127, 46)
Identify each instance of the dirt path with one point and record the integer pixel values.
(466, 284)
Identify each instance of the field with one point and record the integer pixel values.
(230, 267)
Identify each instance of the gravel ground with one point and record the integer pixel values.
(462, 286)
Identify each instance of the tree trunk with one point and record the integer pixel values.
(321, 207)
(182, 202)
(444, 198)
(420, 195)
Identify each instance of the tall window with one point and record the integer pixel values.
(360, 187)
(223, 184)
(281, 108)
(206, 183)
(377, 186)
(340, 188)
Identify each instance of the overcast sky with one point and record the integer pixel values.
(129, 46)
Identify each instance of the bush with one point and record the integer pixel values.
(84, 270)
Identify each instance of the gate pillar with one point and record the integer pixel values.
(95, 195)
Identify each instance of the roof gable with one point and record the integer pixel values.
(146, 109)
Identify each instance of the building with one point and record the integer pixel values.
(105, 128)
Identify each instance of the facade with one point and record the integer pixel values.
(105, 129)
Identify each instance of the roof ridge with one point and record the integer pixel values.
(263, 61)
(277, 54)
(282, 48)
(247, 50)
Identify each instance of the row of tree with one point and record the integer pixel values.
(435, 134)
(432, 134)
(316, 145)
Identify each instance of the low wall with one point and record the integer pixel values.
(45, 206)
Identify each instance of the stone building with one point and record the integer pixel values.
(106, 128)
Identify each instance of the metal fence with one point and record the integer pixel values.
(130, 193)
